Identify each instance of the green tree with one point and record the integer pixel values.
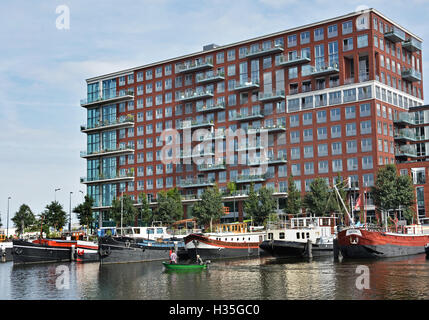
(55, 216)
(293, 200)
(169, 208)
(23, 218)
(84, 212)
(145, 211)
(318, 200)
(391, 191)
(260, 205)
(210, 207)
(127, 208)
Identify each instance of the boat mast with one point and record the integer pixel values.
(344, 205)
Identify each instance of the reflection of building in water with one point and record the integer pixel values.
(87, 279)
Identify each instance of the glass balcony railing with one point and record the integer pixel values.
(195, 183)
(211, 167)
(269, 129)
(216, 136)
(102, 178)
(267, 161)
(107, 152)
(194, 95)
(108, 124)
(219, 76)
(405, 118)
(406, 151)
(244, 178)
(247, 85)
(210, 108)
(271, 96)
(195, 124)
(247, 117)
(196, 66)
(285, 61)
(411, 75)
(412, 45)
(247, 147)
(407, 134)
(97, 98)
(265, 51)
(324, 70)
(395, 35)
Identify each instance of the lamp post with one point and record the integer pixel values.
(7, 222)
(70, 212)
(82, 195)
(56, 193)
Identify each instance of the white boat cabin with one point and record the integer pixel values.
(149, 233)
(317, 230)
(236, 232)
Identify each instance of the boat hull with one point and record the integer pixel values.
(6, 249)
(284, 249)
(86, 252)
(208, 248)
(363, 244)
(123, 250)
(172, 266)
(28, 253)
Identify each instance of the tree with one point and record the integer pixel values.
(317, 201)
(125, 206)
(84, 212)
(169, 207)
(55, 216)
(232, 187)
(390, 191)
(260, 206)
(294, 200)
(210, 207)
(23, 218)
(145, 211)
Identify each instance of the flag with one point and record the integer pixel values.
(357, 203)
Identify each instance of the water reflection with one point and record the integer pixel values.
(260, 278)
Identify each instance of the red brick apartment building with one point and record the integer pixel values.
(341, 96)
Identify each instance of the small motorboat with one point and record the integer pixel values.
(187, 267)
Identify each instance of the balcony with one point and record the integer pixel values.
(196, 183)
(265, 51)
(195, 125)
(406, 151)
(272, 96)
(115, 178)
(211, 137)
(407, 135)
(353, 186)
(395, 35)
(291, 62)
(119, 151)
(211, 167)
(411, 75)
(119, 96)
(196, 66)
(248, 147)
(271, 129)
(412, 45)
(249, 117)
(217, 107)
(324, 71)
(268, 161)
(250, 178)
(193, 95)
(195, 155)
(249, 85)
(202, 79)
(405, 118)
(119, 123)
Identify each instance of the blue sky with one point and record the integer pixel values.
(43, 69)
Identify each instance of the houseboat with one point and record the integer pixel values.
(307, 236)
(230, 240)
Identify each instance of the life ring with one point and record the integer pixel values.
(127, 244)
(80, 252)
(356, 241)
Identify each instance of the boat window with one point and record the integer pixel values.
(270, 236)
(137, 230)
(232, 239)
(303, 235)
(150, 231)
(281, 235)
(159, 231)
(297, 235)
(308, 235)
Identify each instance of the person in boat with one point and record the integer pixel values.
(173, 258)
(199, 260)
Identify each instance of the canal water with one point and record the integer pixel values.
(260, 278)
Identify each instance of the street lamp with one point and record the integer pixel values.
(56, 193)
(82, 195)
(70, 212)
(7, 222)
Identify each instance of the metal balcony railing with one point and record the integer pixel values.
(195, 66)
(98, 97)
(108, 124)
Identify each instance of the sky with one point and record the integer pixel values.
(43, 69)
